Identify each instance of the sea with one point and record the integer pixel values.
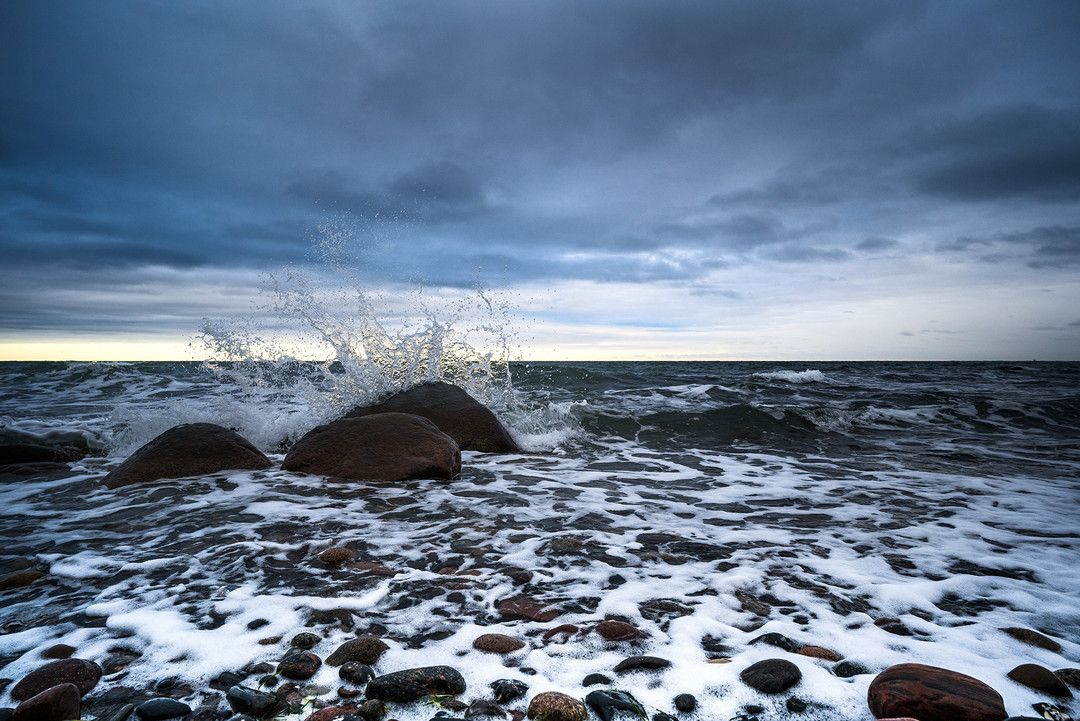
(886, 512)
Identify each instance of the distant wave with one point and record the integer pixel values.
(806, 376)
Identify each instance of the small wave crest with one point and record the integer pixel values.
(806, 376)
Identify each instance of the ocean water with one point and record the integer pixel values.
(704, 503)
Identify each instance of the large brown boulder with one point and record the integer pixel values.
(455, 412)
(382, 447)
(57, 703)
(933, 694)
(193, 449)
(83, 674)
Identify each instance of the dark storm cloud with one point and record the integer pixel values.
(608, 140)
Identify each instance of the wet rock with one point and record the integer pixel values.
(193, 449)
(16, 453)
(385, 447)
(269, 681)
(685, 702)
(772, 675)
(778, 640)
(56, 703)
(305, 640)
(795, 705)
(366, 649)
(555, 706)
(355, 673)
(661, 716)
(59, 651)
(20, 579)
(894, 626)
(641, 663)
(1033, 638)
(1050, 711)
(483, 707)
(560, 634)
(84, 674)
(117, 713)
(847, 669)
(299, 666)
(415, 683)
(618, 631)
(819, 652)
(933, 694)
(225, 680)
(520, 607)
(331, 712)
(157, 709)
(596, 679)
(1070, 676)
(497, 643)
(457, 414)
(1040, 678)
(257, 623)
(661, 609)
(253, 703)
(337, 555)
(606, 703)
(507, 690)
(371, 710)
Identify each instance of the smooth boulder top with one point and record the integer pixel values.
(455, 412)
(384, 447)
(192, 449)
(929, 693)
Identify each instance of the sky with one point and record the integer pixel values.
(661, 180)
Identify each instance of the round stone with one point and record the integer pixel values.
(305, 640)
(773, 675)
(299, 666)
(497, 643)
(555, 706)
(355, 673)
(685, 702)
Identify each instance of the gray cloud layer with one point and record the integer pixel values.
(617, 141)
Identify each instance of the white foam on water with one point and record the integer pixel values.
(806, 376)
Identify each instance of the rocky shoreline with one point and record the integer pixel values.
(69, 687)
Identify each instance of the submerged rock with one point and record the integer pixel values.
(83, 674)
(384, 447)
(618, 631)
(455, 412)
(528, 609)
(20, 579)
(337, 555)
(772, 675)
(506, 690)
(778, 640)
(819, 652)
(1041, 679)
(415, 683)
(16, 453)
(157, 709)
(193, 449)
(253, 703)
(606, 703)
(555, 706)
(929, 693)
(1033, 638)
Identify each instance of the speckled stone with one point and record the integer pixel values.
(365, 649)
(84, 674)
(555, 706)
(497, 643)
(416, 683)
(618, 631)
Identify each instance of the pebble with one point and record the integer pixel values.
(337, 555)
(555, 706)
(355, 673)
(685, 702)
(161, 708)
(521, 607)
(772, 675)
(497, 643)
(1041, 679)
(796, 705)
(847, 669)
(269, 681)
(331, 712)
(257, 624)
(371, 710)
(596, 679)
(637, 663)
(225, 680)
(1033, 638)
(299, 666)
(366, 649)
(506, 690)
(819, 652)
(606, 703)
(305, 640)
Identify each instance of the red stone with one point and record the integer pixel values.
(497, 643)
(84, 674)
(455, 412)
(618, 631)
(331, 712)
(385, 447)
(337, 555)
(193, 449)
(1040, 678)
(566, 630)
(933, 694)
(528, 609)
(58, 703)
